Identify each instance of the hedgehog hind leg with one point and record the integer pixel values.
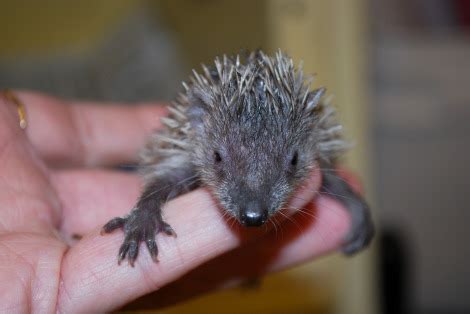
(362, 228)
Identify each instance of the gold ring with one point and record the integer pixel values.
(10, 96)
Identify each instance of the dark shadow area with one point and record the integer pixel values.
(394, 270)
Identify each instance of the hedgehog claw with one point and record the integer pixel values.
(139, 226)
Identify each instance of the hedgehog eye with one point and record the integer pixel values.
(217, 157)
(295, 159)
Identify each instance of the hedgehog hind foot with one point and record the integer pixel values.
(362, 227)
(359, 237)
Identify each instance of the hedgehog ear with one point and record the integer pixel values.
(199, 103)
(314, 98)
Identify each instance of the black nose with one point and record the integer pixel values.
(253, 215)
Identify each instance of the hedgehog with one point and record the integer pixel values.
(251, 130)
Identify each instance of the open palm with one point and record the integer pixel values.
(56, 180)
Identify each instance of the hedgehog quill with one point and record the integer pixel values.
(252, 131)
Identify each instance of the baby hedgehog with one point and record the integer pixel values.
(252, 131)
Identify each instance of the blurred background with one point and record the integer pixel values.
(399, 72)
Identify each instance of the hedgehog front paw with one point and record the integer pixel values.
(139, 226)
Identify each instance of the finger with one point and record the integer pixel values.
(91, 197)
(318, 234)
(92, 277)
(28, 202)
(68, 133)
(304, 238)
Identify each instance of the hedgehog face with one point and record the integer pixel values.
(254, 129)
(253, 161)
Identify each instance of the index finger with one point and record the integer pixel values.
(71, 133)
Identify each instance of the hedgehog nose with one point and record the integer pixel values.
(253, 215)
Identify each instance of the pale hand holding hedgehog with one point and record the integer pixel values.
(251, 132)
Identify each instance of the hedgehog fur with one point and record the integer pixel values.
(262, 83)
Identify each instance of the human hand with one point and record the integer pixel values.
(56, 181)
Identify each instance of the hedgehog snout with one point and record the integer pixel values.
(253, 214)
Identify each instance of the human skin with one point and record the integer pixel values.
(56, 180)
